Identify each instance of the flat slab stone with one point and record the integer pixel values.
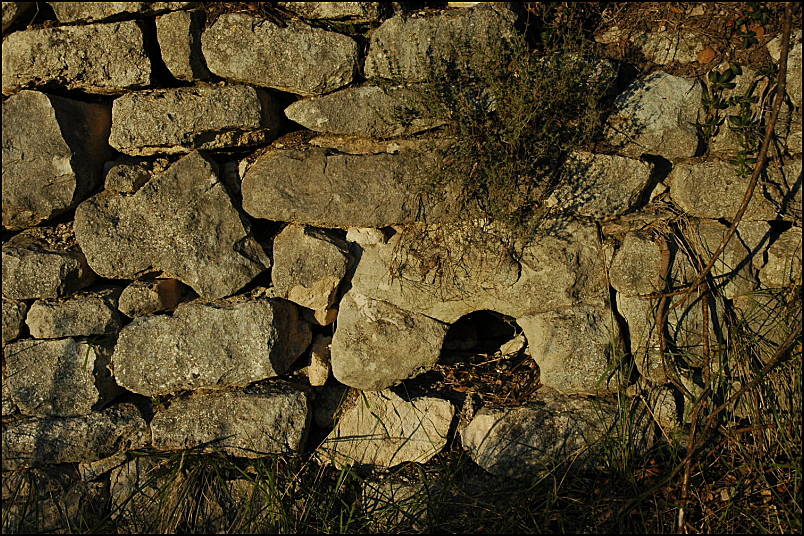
(53, 154)
(713, 189)
(534, 439)
(181, 222)
(369, 111)
(44, 262)
(245, 424)
(333, 190)
(180, 120)
(417, 48)
(13, 319)
(377, 344)
(95, 11)
(61, 378)
(308, 267)
(83, 439)
(656, 116)
(256, 51)
(92, 312)
(209, 345)
(382, 429)
(97, 58)
(351, 11)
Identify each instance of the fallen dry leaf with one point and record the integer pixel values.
(706, 55)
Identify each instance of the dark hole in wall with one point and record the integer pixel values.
(479, 332)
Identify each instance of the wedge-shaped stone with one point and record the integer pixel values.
(535, 439)
(598, 185)
(97, 58)
(92, 312)
(209, 345)
(44, 262)
(713, 189)
(377, 344)
(416, 48)
(61, 378)
(382, 429)
(297, 58)
(181, 222)
(179, 35)
(372, 112)
(334, 190)
(572, 348)
(53, 154)
(245, 424)
(142, 298)
(13, 319)
(182, 119)
(308, 267)
(84, 439)
(479, 272)
(656, 116)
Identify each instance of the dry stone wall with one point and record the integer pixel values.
(202, 213)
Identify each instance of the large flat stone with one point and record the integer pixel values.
(97, 58)
(382, 429)
(656, 116)
(297, 58)
(420, 47)
(180, 120)
(209, 345)
(92, 312)
(377, 344)
(368, 111)
(244, 424)
(53, 154)
(333, 190)
(96, 11)
(61, 378)
(713, 189)
(84, 439)
(44, 262)
(181, 222)
(535, 439)
(308, 267)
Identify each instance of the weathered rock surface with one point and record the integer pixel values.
(599, 186)
(92, 312)
(656, 116)
(126, 176)
(98, 58)
(62, 378)
(417, 48)
(636, 267)
(240, 424)
(142, 298)
(392, 501)
(660, 47)
(793, 80)
(13, 319)
(534, 439)
(179, 35)
(783, 267)
(551, 273)
(44, 262)
(713, 189)
(77, 439)
(337, 190)
(95, 11)
(384, 430)
(209, 345)
(369, 111)
(15, 11)
(784, 187)
(377, 344)
(308, 267)
(181, 222)
(240, 47)
(53, 154)
(179, 120)
(351, 11)
(572, 348)
(319, 368)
